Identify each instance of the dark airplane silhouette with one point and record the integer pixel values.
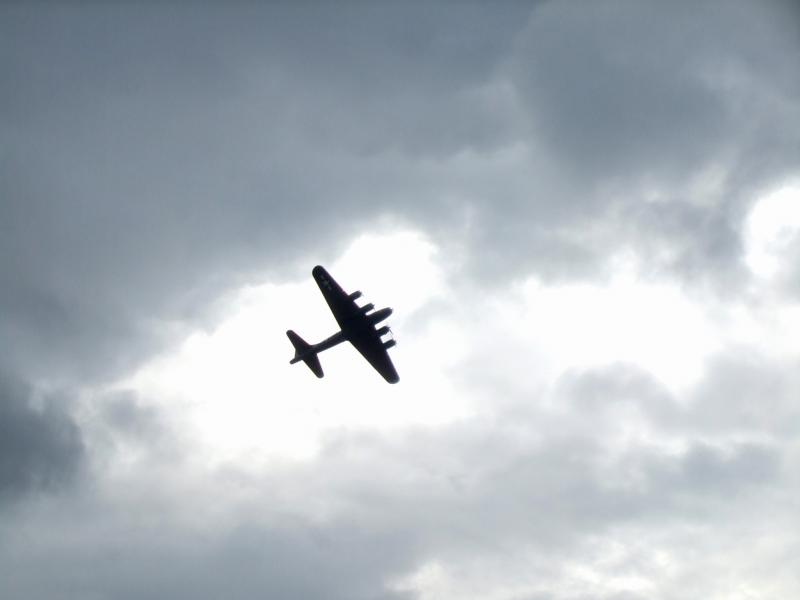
(358, 326)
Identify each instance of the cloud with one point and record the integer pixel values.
(40, 446)
(747, 395)
(196, 153)
(643, 112)
(193, 152)
(595, 485)
(644, 90)
(604, 402)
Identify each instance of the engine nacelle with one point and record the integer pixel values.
(366, 308)
(355, 295)
(383, 330)
(389, 343)
(380, 315)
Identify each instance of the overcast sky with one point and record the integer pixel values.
(586, 216)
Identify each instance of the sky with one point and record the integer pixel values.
(586, 216)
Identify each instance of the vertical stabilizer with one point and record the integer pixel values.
(305, 352)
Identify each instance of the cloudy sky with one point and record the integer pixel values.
(586, 216)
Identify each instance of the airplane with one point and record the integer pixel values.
(357, 326)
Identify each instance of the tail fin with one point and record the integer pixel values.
(305, 352)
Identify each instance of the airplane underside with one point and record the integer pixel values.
(358, 324)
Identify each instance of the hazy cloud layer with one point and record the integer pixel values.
(538, 490)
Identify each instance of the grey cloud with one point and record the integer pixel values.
(155, 158)
(130, 558)
(745, 392)
(123, 412)
(706, 467)
(548, 487)
(40, 446)
(700, 245)
(543, 480)
(620, 88)
(742, 395)
(190, 152)
(597, 391)
(630, 100)
(787, 279)
(542, 483)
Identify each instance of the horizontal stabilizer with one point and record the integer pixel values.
(312, 360)
(305, 352)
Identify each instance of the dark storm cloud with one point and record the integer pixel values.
(638, 105)
(40, 445)
(154, 158)
(640, 136)
(645, 90)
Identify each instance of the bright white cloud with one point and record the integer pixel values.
(773, 224)
(244, 401)
(234, 384)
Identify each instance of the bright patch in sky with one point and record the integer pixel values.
(652, 325)
(235, 384)
(246, 403)
(772, 226)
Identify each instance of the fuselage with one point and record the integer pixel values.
(360, 325)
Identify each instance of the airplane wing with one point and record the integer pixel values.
(350, 317)
(341, 304)
(371, 347)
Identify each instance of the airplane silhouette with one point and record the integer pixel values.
(357, 326)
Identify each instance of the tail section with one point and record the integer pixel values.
(305, 352)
